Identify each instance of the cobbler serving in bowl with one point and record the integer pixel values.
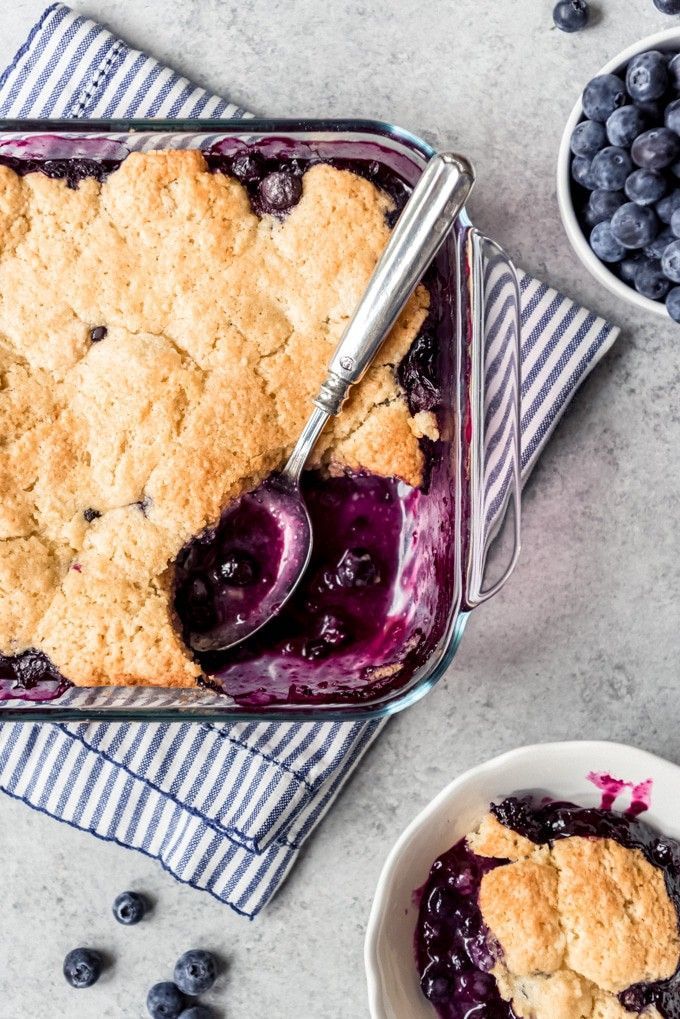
(553, 911)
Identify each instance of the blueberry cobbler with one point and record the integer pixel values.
(164, 325)
(553, 911)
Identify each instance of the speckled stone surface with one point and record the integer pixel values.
(585, 640)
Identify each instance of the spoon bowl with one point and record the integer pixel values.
(266, 534)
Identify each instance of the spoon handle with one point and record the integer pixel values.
(429, 214)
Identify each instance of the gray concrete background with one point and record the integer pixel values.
(584, 642)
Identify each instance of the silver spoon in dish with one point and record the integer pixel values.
(272, 523)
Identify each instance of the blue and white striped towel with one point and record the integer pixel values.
(224, 808)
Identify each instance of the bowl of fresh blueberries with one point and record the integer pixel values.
(618, 182)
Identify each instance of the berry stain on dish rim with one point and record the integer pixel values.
(365, 607)
(454, 950)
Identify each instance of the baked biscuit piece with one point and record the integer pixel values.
(160, 345)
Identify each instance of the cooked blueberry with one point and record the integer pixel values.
(645, 187)
(129, 908)
(332, 630)
(195, 604)
(571, 15)
(629, 267)
(98, 333)
(582, 172)
(668, 6)
(280, 191)
(91, 514)
(673, 304)
(647, 76)
(588, 138)
(195, 972)
(165, 1001)
(196, 1012)
(602, 205)
(671, 117)
(437, 982)
(662, 851)
(83, 967)
(634, 226)
(650, 280)
(670, 262)
(610, 168)
(624, 125)
(32, 667)
(667, 206)
(659, 244)
(634, 998)
(602, 96)
(418, 374)
(357, 568)
(605, 245)
(248, 167)
(656, 149)
(674, 72)
(238, 569)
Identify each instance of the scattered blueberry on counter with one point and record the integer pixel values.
(571, 15)
(129, 908)
(668, 6)
(165, 1001)
(196, 1012)
(195, 972)
(625, 170)
(83, 967)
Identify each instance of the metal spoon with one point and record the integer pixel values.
(429, 214)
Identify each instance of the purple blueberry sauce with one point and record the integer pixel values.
(379, 590)
(454, 950)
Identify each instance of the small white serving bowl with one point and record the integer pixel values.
(558, 770)
(666, 40)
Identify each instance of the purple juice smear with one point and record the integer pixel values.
(640, 793)
(453, 949)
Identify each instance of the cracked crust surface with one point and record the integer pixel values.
(577, 922)
(220, 325)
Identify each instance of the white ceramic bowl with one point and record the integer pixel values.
(666, 40)
(559, 770)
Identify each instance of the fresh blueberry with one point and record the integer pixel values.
(650, 280)
(83, 967)
(357, 568)
(667, 206)
(196, 1012)
(624, 125)
(98, 333)
(670, 262)
(602, 205)
(238, 569)
(589, 137)
(671, 117)
(610, 168)
(645, 187)
(582, 172)
(605, 245)
(652, 110)
(571, 15)
(629, 267)
(675, 169)
(659, 244)
(673, 304)
(668, 6)
(647, 76)
(195, 972)
(675, 222)
(674, 72)
(635, 226)
(280, 191)
(656, 149)
(129, 908)
(602, 96)
(165, 1001)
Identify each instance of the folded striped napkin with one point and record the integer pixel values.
(224, 808)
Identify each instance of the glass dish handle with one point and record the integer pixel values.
(495, 402)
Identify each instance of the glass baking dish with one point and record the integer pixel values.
(473, 488)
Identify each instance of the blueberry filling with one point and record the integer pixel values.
(91, 514)
(73, 171)
(98, 333)
(32, 673)
(452, 942)
(419, 374)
